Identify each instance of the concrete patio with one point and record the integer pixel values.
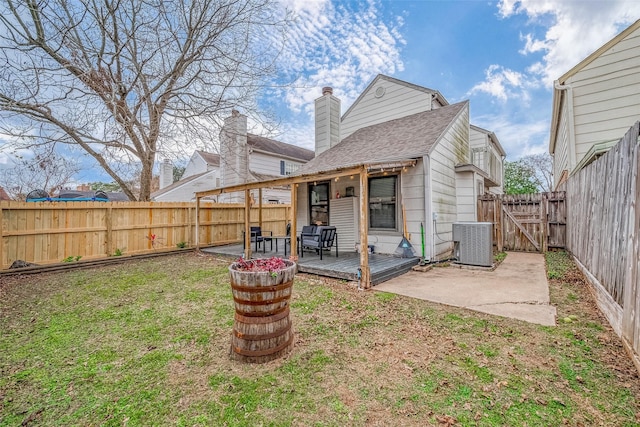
(517, 289)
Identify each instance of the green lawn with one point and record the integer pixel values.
(147, 343)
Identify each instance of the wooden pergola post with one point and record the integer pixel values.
(247, 224)
(365, 272)
(260, 207)
(294, 213)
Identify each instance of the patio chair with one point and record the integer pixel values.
(324, 238)
(306, 229)
(258, 238)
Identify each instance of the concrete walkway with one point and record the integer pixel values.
(518, 288)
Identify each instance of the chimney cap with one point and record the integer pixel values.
(327, 90)
(235, 113)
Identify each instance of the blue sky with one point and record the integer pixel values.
(502, 56)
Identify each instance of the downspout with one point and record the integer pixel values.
(570, 122)
(426, 170)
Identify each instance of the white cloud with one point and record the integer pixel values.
(503, 84)
(574, 30)
(517, 138)
(333, 44)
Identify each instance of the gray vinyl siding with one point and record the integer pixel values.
(478, 139)
(451, 150)
(412, 195)
(267, 164)
(607, 95)
(466, 196)
(263, 163)
(398, 101)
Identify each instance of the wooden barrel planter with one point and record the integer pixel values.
(262, 327)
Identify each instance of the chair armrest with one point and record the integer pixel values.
(308, 235)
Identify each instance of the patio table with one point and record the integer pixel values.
(286, 240)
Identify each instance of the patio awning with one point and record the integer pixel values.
(361, 170)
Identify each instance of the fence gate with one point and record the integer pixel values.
(525, 222)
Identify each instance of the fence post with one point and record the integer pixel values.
(631, 292)
(497, 218)
(544, 221)
(109, 226)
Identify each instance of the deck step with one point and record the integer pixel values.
(390, 273)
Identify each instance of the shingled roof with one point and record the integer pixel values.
(211, 159)
(408, 137)
(280, 148)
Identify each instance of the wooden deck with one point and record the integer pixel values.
(345, 266)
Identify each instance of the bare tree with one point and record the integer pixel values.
(128, 79)
(541, 167)
(45, 170)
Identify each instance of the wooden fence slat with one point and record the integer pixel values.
(603, 222)
(525, 222)
(45, 233)
(521, 228)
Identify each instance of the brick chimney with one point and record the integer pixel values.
(327, 117)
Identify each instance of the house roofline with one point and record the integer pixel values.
(433, 92)
(493, 136)
(448, 127)
(280, 156)
(557, 93)
(589, 59)
(555, 112)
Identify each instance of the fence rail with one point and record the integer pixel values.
(49, 232)
(603, 233)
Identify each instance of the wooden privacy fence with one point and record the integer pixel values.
(603, 234)
(525, 222)
(49, 232)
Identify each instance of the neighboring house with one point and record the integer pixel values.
(488, 155)
(243, 158)
(202, 172)
(595, 103)
(416, 148)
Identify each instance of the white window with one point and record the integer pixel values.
(287, 168)
(383, 207)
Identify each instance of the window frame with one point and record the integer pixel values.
(322, 205)
(396, 202)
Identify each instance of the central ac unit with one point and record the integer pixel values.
(473, 243)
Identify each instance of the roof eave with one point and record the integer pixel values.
(282, 156)
(589, 59)
(555, 113)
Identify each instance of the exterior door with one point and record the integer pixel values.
(319, 203)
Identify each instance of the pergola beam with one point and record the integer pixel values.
(279, 182)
